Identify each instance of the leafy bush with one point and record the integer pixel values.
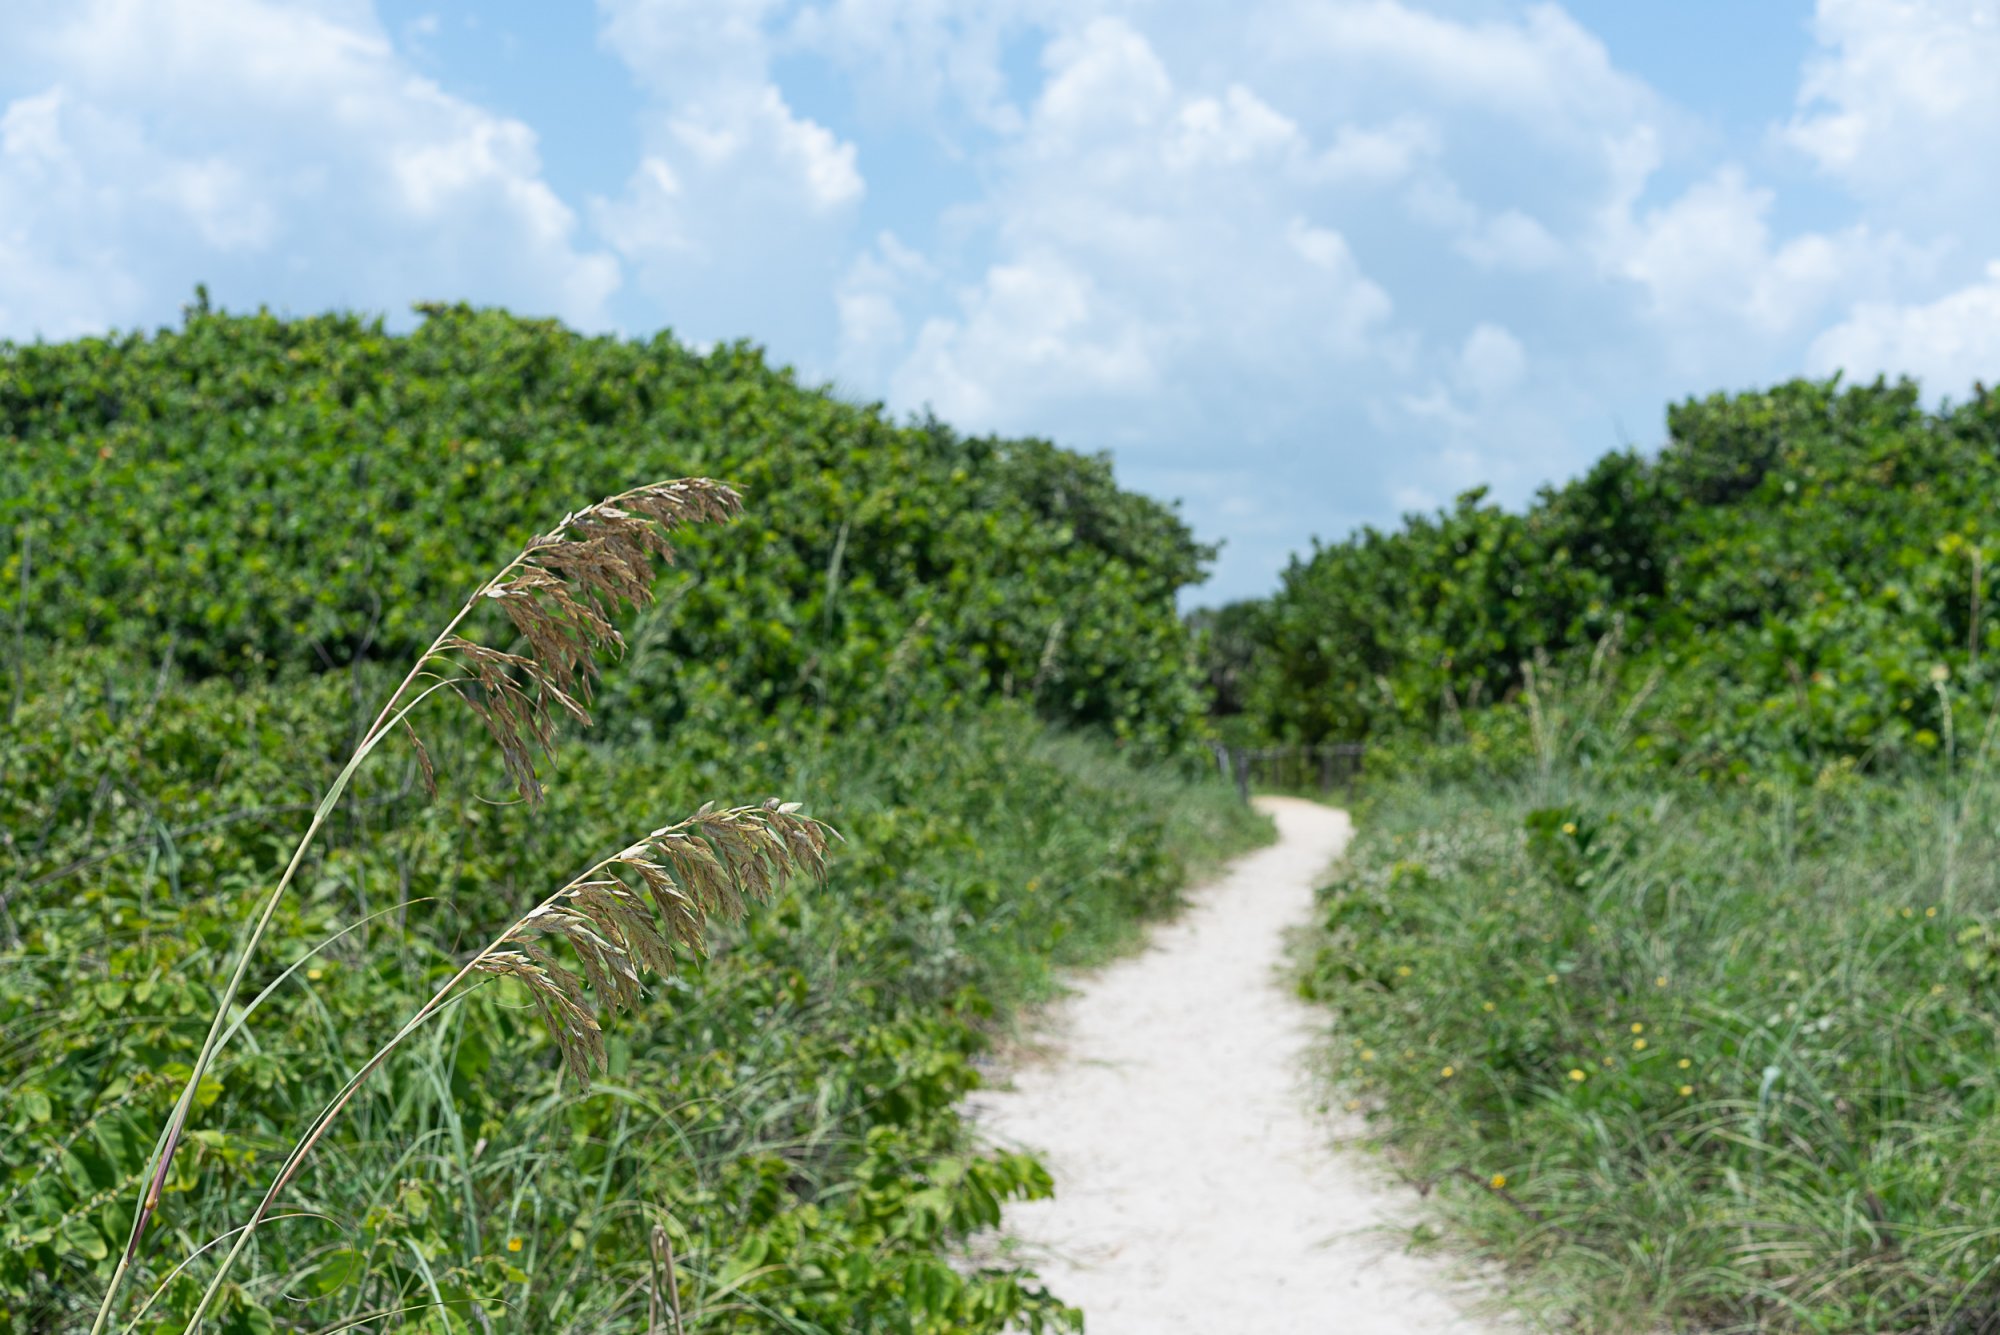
(250, 492)
(1792, 574)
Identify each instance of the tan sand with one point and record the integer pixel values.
(1196, 1187)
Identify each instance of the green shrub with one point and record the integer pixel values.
(1790, 574)
(250, 492)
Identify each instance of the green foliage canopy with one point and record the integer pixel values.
(329, 490)
(1792, 569)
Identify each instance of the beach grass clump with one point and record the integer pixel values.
(1703, 1059)
(559, 593)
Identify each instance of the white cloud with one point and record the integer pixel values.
(1039, 322)
(1492, 361)
(1545, 70)
(706, 65)
(739, 200)
(1173, 247)
(1948, 344)
(1507, 239)
(1716, 280)
(1902, 103)
(1377, 155)
(873, 332)
(1232, 130)
(1150, 251)
(930, 60)
(1510, 239)
(183, 140)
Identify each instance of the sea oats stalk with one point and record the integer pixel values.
(559, 592)
(620, 917)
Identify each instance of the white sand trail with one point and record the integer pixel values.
(1196, 1190)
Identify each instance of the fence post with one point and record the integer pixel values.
(1242, 773)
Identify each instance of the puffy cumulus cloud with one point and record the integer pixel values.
(739, 201)
(1492, 361)
(1196, 249)
(1154, 264)
(1038, 330)
(282, 152)
(1949, 344)
(1902, 105)
(1543, 70)
(1718, 282)
(869, 299)
(924, 58)
(1503, 239)
(1305, 251)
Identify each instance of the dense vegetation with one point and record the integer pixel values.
(1668, 949)
(1792, 563)
(228, 541)
(250, 492)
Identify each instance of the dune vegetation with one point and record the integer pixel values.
(227, 544)
(1667, 954)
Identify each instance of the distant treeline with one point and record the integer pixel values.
(1785, 579)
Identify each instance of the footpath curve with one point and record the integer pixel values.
(1196, 1188)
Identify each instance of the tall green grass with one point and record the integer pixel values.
(1699, 1057)
(785, 1112)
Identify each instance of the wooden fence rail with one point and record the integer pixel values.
(1319, 768)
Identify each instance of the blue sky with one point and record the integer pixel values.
(1301, 264)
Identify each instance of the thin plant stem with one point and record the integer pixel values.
(393, 711)
(439, 1000)
(177, 1122)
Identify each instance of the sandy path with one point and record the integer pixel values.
(1195, 1189)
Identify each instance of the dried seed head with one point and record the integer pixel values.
(560, 595)
(424, 766)
(621, 917)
